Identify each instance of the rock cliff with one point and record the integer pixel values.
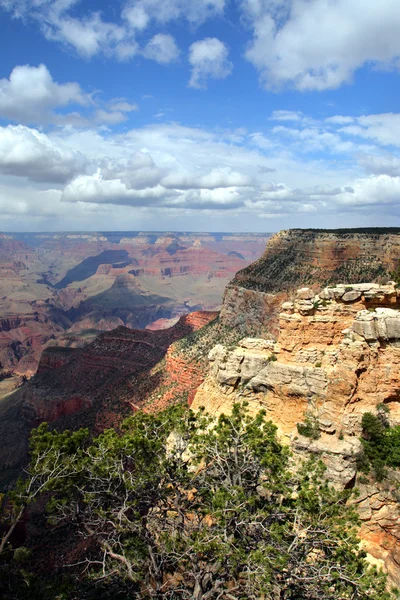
(306, 257)
(95, 386)
(337, 356)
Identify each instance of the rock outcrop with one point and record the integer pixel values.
(307, 257)
(337, 356)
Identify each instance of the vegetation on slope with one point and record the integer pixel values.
(381, 443)
(180, 506)
(292, 266)
(197, 345)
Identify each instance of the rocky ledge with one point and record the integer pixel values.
(336, 357)
(316, 258)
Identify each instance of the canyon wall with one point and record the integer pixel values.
(297, 257)
(336, 357)
(95, 386)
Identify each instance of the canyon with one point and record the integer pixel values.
(310, 333)
(63, 289)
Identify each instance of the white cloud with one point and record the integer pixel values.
(217, 178)
(30, 95)
(27, 153)
(209, 59)
(286, 115)
(96, 189)
(165, 11)
(137, 172)
(106, 117)
(161, 48)
(340, 120)
(314, 139)
(169, 169)
(121, 105)
(379, 190)
(384, 164)
(319, 44)
(90, 35)
(383, 129)
(209, 199)
(136, 16)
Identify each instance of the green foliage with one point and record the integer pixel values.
(395, 275)
(310, 427)
(381, 443)
(21, 554)
(198, 344)
(179, 506)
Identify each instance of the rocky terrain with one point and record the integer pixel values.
(95, 386)
(316, 358)
(337, 356)
(299, 257)
(65, 288)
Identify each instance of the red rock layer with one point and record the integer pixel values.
(104, 372)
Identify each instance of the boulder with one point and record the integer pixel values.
(305, 294)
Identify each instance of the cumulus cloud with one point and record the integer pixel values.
(171, 169)
(313, 139)
(319, 44)
(96, 189)
(30, 95)
(25, 152)
(88, 36)
(161, 48)
(137, 172)
(379, 190)
(209, 199)
(383, 128)
(209, 60)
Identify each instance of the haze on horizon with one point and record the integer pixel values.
(213, 115)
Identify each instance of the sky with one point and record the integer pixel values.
(199, 115)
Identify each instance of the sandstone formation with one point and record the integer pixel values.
(307, 257)
(337, 356)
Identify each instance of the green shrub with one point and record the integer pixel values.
(381, 443)
(310, 427)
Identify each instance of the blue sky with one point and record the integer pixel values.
(219, 115)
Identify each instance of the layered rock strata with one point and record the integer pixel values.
(313, 257)
(337, 356)
(94, 386)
